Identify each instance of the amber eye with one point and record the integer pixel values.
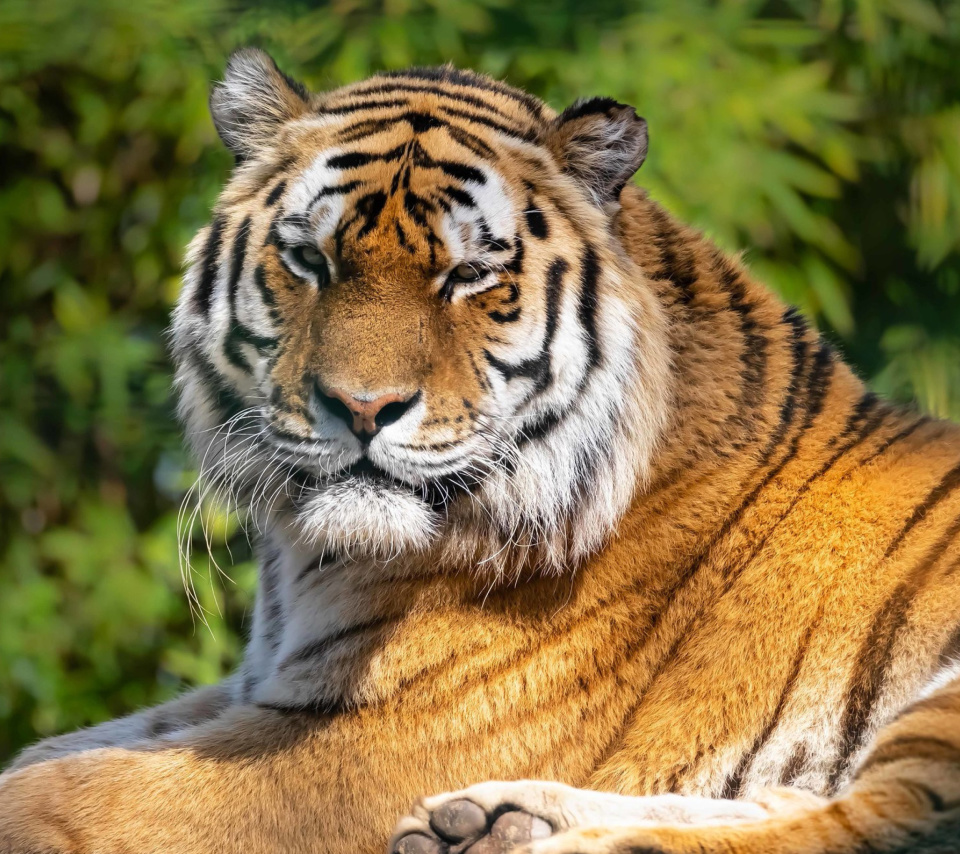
(467, 273)
(309, 263)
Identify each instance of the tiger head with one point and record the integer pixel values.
(410, 326)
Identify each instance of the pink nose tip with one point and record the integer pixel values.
(366, 418)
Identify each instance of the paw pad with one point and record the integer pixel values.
(459, 820)
(418, 843)
(463, 827)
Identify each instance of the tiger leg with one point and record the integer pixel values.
(498, 816)
(186, 710)
(905, 798)
(246, 780)
(249, 780)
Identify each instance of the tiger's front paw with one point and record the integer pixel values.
(490, 818)
(497, 817)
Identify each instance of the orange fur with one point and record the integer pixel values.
(785, 579)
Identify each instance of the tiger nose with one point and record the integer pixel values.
(366, 418)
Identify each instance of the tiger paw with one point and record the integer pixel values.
(545, 817)
(491, 818)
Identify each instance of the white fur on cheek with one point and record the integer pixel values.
(367, 519)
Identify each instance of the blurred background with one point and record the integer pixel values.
(820, 138)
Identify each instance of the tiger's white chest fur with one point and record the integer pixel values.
(305, 600)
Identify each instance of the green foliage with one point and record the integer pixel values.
(822, 138)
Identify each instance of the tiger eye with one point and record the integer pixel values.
(312, 255)
(466, 272)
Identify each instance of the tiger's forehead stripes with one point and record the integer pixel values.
(455, 96)
(469, 206)
(449, 77)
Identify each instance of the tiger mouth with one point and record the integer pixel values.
(437, 493)
(365, 469)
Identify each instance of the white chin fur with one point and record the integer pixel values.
(364, 518)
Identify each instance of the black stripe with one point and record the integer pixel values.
(461, 197)
(874, 657)
(226, 399)
(356, 159)
(733, 788)
(798, 355)
(589, 107)
(273, 233)
(818, 386)
(934, 800)
(366, 127)
(466, 115)
(505, 317)
(238, 256)
(325, 559)
(239, 333)
(458, 171)
(471, 142)
(455, 77)
(926, 747)
(203, 295)
(421, 122)
(538, 368)
(322, 707)
(337, 190)
(418, 207)
(887, 443)
(402, 238)
(266, 295)
(794, 765)
(369, 127)
(587, 305)
(866, 418)
(515, 264)
(275, 194)
(357, 106)
(755, 345)
(540, 428)
(363, 130)
(461, 98)
(316, 648)
(369, 207)
(536, 222)
(950, 481)
(272, 604)
(676, 267)
(432, 243)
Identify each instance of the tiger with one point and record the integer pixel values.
(572, 537)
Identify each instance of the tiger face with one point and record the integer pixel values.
(410, 325)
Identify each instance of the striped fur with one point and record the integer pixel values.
(640, 530)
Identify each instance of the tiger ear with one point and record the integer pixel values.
(602, 143)
(254, 99)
